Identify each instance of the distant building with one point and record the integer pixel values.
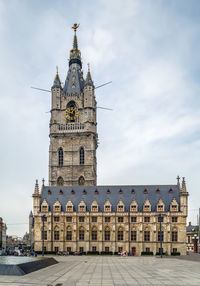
(76, 214)
(192, 232)
(3, 229)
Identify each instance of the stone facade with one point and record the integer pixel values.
(75, 213)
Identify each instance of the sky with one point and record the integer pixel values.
(149, 49)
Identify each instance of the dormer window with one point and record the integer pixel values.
(81, 208)
(49, 192)
(132, 191)
(94, 208)
(133, 208)
(44, 208)
(61, 192)
(84, 192)
(56, 208)
(157, 191)
(147, 208)
(120, 191)
(160, 208)
(174, 208)
(72, 192)
(107, 208)
(171, 191)
(96, 192)
(108, 192)
(69, 208)
(120, 208)
(145, 191)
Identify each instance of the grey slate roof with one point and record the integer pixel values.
(190, 228)
(113, 197)
(75, 76)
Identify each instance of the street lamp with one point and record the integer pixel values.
(43, 218)
(161, 236)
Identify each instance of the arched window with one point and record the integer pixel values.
(82, 156)
(60, 181)
(60, 156)
(81, 181)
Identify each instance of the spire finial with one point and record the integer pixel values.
(43, 182)
(36, 188)
(75, 27)
(57, 69)
(88, 67)
(178, 181)
(183, 185)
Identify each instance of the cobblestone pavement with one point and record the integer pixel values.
(109, 271)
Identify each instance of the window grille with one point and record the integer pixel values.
(60, 157)
(82, 156)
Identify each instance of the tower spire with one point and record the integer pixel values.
(75, 54)
(89, 78)
(57, 82)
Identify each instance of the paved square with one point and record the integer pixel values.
(111, 270)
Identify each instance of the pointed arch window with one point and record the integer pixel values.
(60, 181)
(81, 181)
(60, 156)
(82, 156)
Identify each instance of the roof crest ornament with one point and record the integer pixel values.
(75, 27)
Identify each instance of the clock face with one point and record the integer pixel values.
(72, 113)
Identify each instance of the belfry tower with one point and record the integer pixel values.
(73, 132)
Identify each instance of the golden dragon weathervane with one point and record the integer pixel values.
(75, 27)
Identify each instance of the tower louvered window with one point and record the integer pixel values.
(60, 156)
(82, 156)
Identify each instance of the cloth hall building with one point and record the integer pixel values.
(73, 213)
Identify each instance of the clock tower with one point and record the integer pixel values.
(73, 126)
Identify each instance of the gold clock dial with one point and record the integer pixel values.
(72, 113)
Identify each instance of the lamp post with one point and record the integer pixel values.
(161, 236)
(43, 217)
(195, 241)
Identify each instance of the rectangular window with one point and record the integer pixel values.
(44, 208)
(188, 239)
(94, 248)
(147, 208)
(94, 208)
(107, 208)
(159, 236)
(174, 208)
(56, 218)
(133, 219)
(56, 235)
(174, 236)
(107, 218)
(82, 208)
(69, 219)
(106, 249)
(120, 208)
(81, 234)
(81, 249)
(120, 219)
(120, 235)
(133, 208)
(94, 218)
(174, 250)
(147, 236)
(94, 235)
(174, 219)
(147, 219)
(69, 249)
(107, 235)
(81, 218)
(45, 235)
(44, 218)
(160, 219)
(133, 235)
(160, 208)
(147, 249)
(69, 208)
(57, 208)
(69, 235)
(56, 249)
